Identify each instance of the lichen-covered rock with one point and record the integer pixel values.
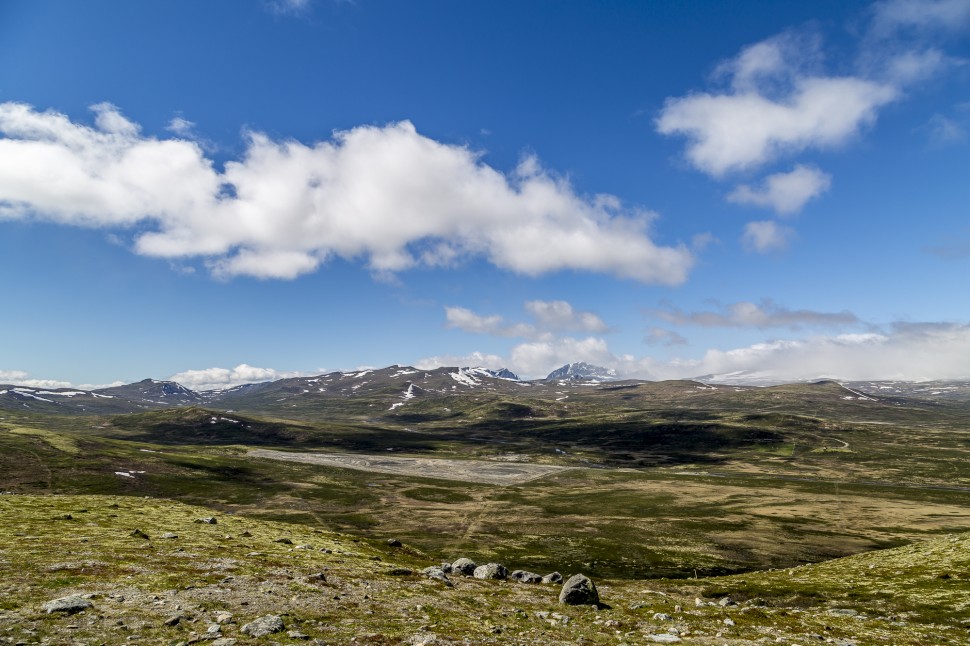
(523, 576)
(436, 573)
(68, 605)
(266, 625)
(495, 571)
(552, 577)
(464, 567)
(579, 590)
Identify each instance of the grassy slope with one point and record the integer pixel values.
(916, 594)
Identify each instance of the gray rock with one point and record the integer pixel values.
(495, 571)
(724, 602)
(223, 617)
(662, 616)
(208, 520)
(663, 638)
(69, 605)
(224, 641)
(464, 567)
(446, 567)
(553, 577)
(436, 573)
(579, 590)
(522, 576)
(393, 542)
(266, 625)
(173, 620)
(169, 535)
(296, 634)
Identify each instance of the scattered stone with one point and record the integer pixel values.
(296, 634)
(724, 602)
(224, 641)
(393, 542)
(579, 590)
(522, 576)
(173, 620)
(663, 638)
(169, 535)
(266, 625)
(464, 567)
(67, 517)
(662, 616)
(402, 571)
(213, 629)
(495, 571)
(318, 577)
(728, 621)
(284, 541)
(207, 520)
(446, 567)
(139, 534)
(843, 612)
(552, 577)
(223, 617)
(246, 534)
(69, 605)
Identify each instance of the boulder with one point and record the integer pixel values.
(436, 573)
(552, 577)
(265, 625)
(522, 576)
(579, 590)
(491, 571)
(464, 567)
(68, 605)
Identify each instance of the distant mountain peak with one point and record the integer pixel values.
(582, 371)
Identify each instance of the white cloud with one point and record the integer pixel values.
(764, 236)
(741, 130)
(474, 360)
(461, 318)
(560, 315)
(221, 378)
(662, 336)
(21, 378)
(181, 127)
(786, 193)
(386, 196)
(539, 358)
(766, 314)
(943, 130)
(549, 316)
(941, 15)
(909, 352)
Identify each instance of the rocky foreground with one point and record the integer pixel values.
(112, 570)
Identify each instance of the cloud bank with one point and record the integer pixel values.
(386, 196)
(222, 378)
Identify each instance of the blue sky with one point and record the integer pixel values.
(223, 192)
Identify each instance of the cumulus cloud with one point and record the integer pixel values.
(763, 236)
(386, 196)
(766, 314)
(943, 131)
(549, 317)
(775, 105)
(785, 193)
(222, 378)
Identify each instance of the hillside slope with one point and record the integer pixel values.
(153, 573)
